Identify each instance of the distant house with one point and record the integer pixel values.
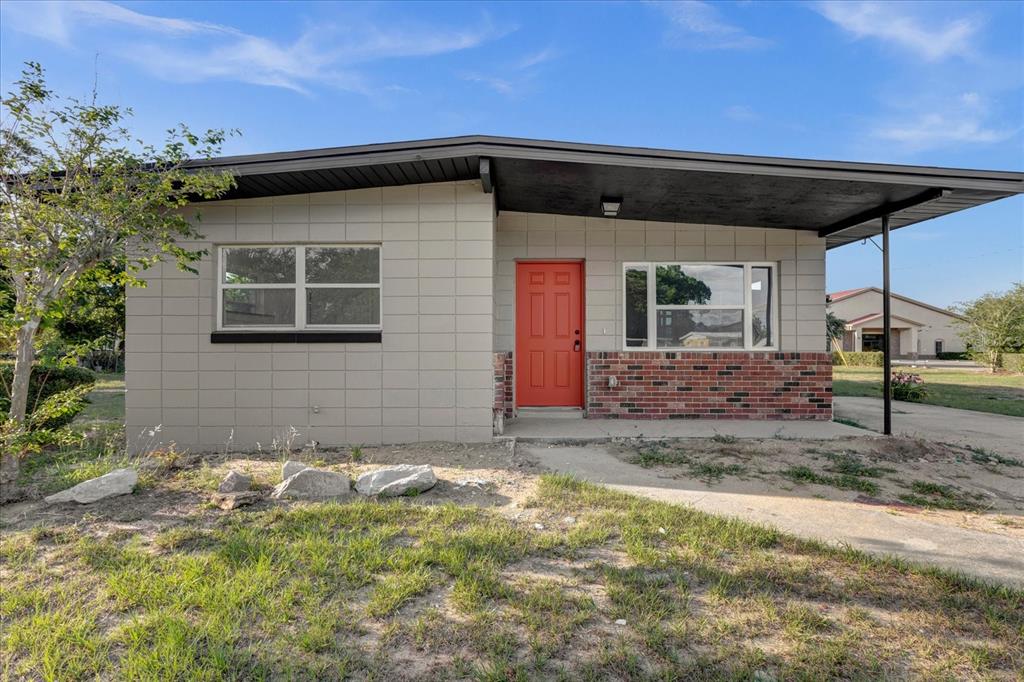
(919, 330)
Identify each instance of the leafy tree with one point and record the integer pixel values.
(678, 288)
(993, 325)
(834, 327)
(77, 190)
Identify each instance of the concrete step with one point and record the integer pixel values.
(551, 412)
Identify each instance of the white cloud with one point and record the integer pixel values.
(963, 120)
(516, 77)
(183, 50)
(57, 21)
(537, 58)
(699, 25)
(499, 85)
(897, 24)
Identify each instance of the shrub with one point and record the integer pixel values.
(908, 387)
(862, 359)
(1013, 362)
(45, 382)
(953, 356)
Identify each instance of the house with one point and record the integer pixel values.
(919, 330)
(410, 291)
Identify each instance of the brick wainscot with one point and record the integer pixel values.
(709, 385)
(503, 383)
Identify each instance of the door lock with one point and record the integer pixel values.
(576, 345)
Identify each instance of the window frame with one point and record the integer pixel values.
(747, 306)
(301, 286)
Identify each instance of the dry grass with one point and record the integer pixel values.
(413, 589)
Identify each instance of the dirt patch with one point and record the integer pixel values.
(959, 485)
(480, 474)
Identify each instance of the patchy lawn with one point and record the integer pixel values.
(498, 573)
(979, 391)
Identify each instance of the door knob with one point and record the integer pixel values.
(576, 345)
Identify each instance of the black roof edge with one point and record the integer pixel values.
(1008, 182)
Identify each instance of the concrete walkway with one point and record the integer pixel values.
(995, 432)
(874, 529)
(563, 428)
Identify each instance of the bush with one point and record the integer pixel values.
(45, 382)
(953, 356)
(1013, 362)
(908, 387)
(862, 359)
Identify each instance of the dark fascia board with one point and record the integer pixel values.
(1008, 182)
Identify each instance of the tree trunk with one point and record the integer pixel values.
(23, 369)
(10, 461)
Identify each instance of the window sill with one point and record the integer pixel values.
(296, 337)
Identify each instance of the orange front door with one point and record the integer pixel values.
(549, 334)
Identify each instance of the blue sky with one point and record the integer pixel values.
(920, 83)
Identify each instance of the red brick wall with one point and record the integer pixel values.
(503, 382)
(709, 385)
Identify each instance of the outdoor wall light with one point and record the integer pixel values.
(610, 206)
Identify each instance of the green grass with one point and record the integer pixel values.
(96, 449)
(379, 590)
(843, 481)
(709, 472)
(979, 391)
(940, 496)
(106, 402)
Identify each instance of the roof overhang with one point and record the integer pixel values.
(839, 200)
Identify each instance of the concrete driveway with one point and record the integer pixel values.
(990, 556)
(995, 432)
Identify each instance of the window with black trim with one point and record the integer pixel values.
(694, 306)
(297, 287)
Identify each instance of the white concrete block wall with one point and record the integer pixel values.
(607, 243)
(429, 379)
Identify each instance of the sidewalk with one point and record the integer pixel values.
(874, 529)
(996, 432)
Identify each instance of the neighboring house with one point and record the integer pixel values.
(409, 291)
(919, 330)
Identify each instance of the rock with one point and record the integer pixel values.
(229, 501)
(235, 482)
(620, 621)
(397, 480)
(312, 484)
(117, 482)
(763, 676)
(290, 468)
(538, 526)
(569, 520)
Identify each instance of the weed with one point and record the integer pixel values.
(355, 453)
(937, 495)
(709, 472)
(804, 475)
(713, 472)
(980, 455)
(849, 422)
(849, 464)
(725, 439)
